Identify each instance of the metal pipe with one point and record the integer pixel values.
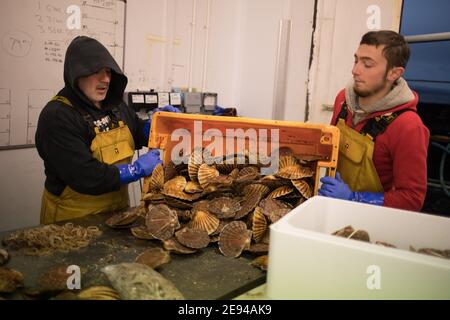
(442, 36)
(191, 49)
(205, 50)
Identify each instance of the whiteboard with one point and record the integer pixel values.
(34, 38)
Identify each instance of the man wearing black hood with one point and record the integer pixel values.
(87, 135)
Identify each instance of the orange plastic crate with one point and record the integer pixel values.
(313, 141)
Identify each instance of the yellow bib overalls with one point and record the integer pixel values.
(115, 146)
(355, 160)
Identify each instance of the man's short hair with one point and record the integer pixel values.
(396, 50)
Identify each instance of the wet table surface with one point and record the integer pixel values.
(206, 274)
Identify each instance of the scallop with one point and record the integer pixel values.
(273, 182)
(280, 191)
(269, 205)
(153, 197)
(193, 187)
(256, 189)
(248, 205)
(248, 173)
(205, 221)
(141, 232)
(161, 221)
(385, 244)
(193, 238)
(222, 225)
(287, 160)
(175, 185)
(177, 203)
(224, 207)
(153, 257)
(234, 238)
(277, 214)
(259, 248)
(201, 205)
(123, 219)
(170, 171)
(174, 246)
(350, 233)
(205, 174)
(98, 293)
(295, 172)
(259, 225)
(156, 183)
(303, 187)
(10, 279)
(195, 161)
(261, 262)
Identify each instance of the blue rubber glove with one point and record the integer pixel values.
(148, 123)
(337, 188)
(142, 167)
(218, 111)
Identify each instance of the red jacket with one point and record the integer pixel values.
(400, 155)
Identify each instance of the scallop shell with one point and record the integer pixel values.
(249, 203)
(156, 182)
(161, 221)
(224, 207)
(287, 161)
(205, 174)
(193, 238)
(153, 197)
(273, 182)
(222, 225)
(234, 238)
(176, 184)
(195, 161)
(269, 205)
(181, 195)
(174, 246)
(10, 279)
(350, 233)
(153, 257)
(205, 221)
(259, 248)
(234, 173)
(177, 203)
(277, 214)
(259, 225)
(201, 205)
(303, 187)
(193, 187)
(222, 181)
(280, 191)
(261, 262)
(123, 219)
(141, 232)
(255, 189)
(170, 171)
(98, 293)
(248, 173)
(295, 172)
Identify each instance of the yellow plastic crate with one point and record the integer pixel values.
(311, 141)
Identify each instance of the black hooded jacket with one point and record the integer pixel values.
(64, 137)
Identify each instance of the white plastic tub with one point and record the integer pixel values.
(307, 262)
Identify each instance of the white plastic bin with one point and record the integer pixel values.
(307, 262)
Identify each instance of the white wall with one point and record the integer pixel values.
(240, 61)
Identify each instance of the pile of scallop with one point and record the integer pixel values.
(188, 206)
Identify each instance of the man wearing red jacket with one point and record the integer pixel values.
(383, 145)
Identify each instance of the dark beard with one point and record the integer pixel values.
(364, 94)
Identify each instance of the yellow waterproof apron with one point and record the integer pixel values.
(115, 146)
(355, 160)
